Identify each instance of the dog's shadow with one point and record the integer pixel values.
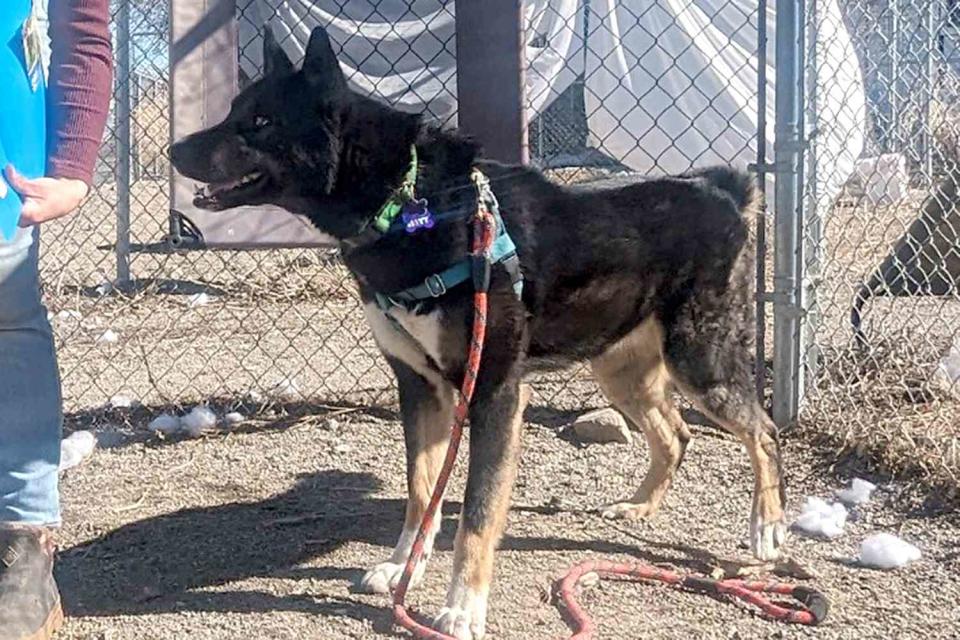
(181, 561)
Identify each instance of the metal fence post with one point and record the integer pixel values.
(490, 71)
(812, 211)
(760, 373)
(787, 147)
(122, 135)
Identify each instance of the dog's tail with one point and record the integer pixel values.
(739, 186)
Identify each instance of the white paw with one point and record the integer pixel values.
(465, 621)
(627, 511)
(384, 577)
(766, 539)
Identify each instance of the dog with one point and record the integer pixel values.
(650, 281)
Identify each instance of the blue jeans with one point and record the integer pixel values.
(30, 403)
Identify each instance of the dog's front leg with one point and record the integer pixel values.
(427, 407)
(495, 425)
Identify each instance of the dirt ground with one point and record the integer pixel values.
(262, 531)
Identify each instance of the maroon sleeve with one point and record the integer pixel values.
(81, 72)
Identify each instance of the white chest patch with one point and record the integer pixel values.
(420, 339)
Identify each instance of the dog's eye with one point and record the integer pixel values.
(261, 121)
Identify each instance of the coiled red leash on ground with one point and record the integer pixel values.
(814, 603)
(484, 232)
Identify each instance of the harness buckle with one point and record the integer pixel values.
(435, 285)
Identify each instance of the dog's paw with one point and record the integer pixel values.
(466, 620)
(767, 538)
(628, 511)
(384, 577)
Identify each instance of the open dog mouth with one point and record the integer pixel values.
(230, 193)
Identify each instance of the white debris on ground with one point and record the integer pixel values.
(122, 401)
(858, 492)
(947, 374)
(200, 419)
(198, 300)
(233, 418)
(286, 389)
(75, 448)
(107, 337)
(68, 314)
(818, 518)
(602, 426)
(165, 424)
(887, 551)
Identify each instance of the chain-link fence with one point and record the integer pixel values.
(645, 86)
(881, 342)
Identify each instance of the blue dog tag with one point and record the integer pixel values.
(417, 216)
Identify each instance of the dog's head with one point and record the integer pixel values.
(302, 140)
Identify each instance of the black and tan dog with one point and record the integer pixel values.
(650, 281)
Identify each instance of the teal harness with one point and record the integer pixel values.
(388, 222)
(437, 284)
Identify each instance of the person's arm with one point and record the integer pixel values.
(81, 74)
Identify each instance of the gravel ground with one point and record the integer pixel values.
(261, 532)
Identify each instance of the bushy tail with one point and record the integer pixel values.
(739, 186)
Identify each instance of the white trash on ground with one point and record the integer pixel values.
(858, 492)
(198, 420)
(67, 314)
(75, 448)
(286, 389)
(947, 374)
(887, 551)
(108, 336)
(122, 401)
(198, 300)
(233, 418)
(165, 424)
(818, 518)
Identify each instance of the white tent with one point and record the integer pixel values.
(669, 84)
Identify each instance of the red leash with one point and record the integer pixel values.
(484, 232)
(814, 603)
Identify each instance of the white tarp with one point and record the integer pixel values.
(404, 52)
(669, 84)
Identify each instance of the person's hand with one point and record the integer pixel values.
(45, 198)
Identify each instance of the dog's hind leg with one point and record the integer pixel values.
(707, 351)
(427, 412)
(496, 419)
(633, 377)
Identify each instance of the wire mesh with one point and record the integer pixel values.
(190, 326)
(886, 247)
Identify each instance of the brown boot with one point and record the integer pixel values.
(29, 600)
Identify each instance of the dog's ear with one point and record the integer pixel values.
(320, 66)
(275, 60)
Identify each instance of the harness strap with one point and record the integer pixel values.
(435, 285)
